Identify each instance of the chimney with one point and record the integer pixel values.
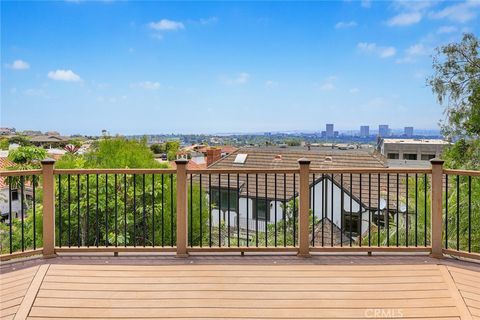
(213, 155)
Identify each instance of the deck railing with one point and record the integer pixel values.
(302, 210)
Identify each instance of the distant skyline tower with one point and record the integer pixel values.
(383, 130)
(329, 130)
(364, 131)
(408, 132)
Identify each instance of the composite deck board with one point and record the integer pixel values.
(221, 291)
(468, 284)
(14, 286)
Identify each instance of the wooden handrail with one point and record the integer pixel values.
(114, 171)
(12, 173)
(472, 173)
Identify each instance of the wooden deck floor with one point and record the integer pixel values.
(92, 289)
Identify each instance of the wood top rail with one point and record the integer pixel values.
(371, 170)
(243, 171)
(11, 173)
(114, 171)
(473, 173)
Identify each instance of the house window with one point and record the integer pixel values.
(392, 156)
(14, 195)
(410, 156)
(221, 199)
(352, 221)
(261, 209)
(427, 156)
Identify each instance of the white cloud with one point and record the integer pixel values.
(446, 29)
(208, 21)
(345, 24)
(166, 24)
(354, 90)
(33, 92)
(459, 12)
(327, 85)
(64, 75)
(19, 65)
(380, 51)
(413, 52)
(147, 85)
(271, 84)
(405, 19)
(366, 3)
(241, 78)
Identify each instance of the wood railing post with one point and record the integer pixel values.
(304, 209)
(182, 208)
(436, 207)
(48, 208)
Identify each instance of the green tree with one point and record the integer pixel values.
(4, 144)
(27, 157)
(21, 140)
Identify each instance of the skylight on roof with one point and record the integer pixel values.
(240, 158)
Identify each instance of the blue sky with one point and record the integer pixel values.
(136, 67)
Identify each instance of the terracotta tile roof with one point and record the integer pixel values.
(324, 234)
(4, 164)
(192, 165)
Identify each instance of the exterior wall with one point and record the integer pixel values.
(317, 209)
(418, 149)
(4, 207)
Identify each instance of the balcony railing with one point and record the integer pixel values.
(302, 210)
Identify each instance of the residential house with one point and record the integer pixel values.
(338, 201)
(15, 196)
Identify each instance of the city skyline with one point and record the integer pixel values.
(149, 68)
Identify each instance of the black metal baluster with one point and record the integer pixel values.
(201, 213)
(106, 209)
(294, 211)
(312, 202)
(144, 205)
(379, 210)
(34, 201)
(446, 211)
(210, 210)
(416, 209)
(458, 212)
(284, 211)
(469, 213)
(228, 210)
(153, 210)
(248, 209)
(69, 210)
(171, 211)
(351, 207)
(342, 212)
(360, 211)
(425, 208)
(406, 211)
(22, 208)
(134, 210)
(331, 213)
(267, 211)
(275, 209)
(369, 209)
(125, 209)
(388, 211)
(116, 209)
(256, 209)
(219, 210)
(397, 209)
(190, 223)
(238, 210)
(97, 227)
(78, 210)
(163, 211)
(87, 228)
(10, 230)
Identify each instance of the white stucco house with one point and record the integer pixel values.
(344, 208)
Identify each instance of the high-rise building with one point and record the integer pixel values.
(329, 130)
(383, 130)
(408, 132)
(364, 131)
